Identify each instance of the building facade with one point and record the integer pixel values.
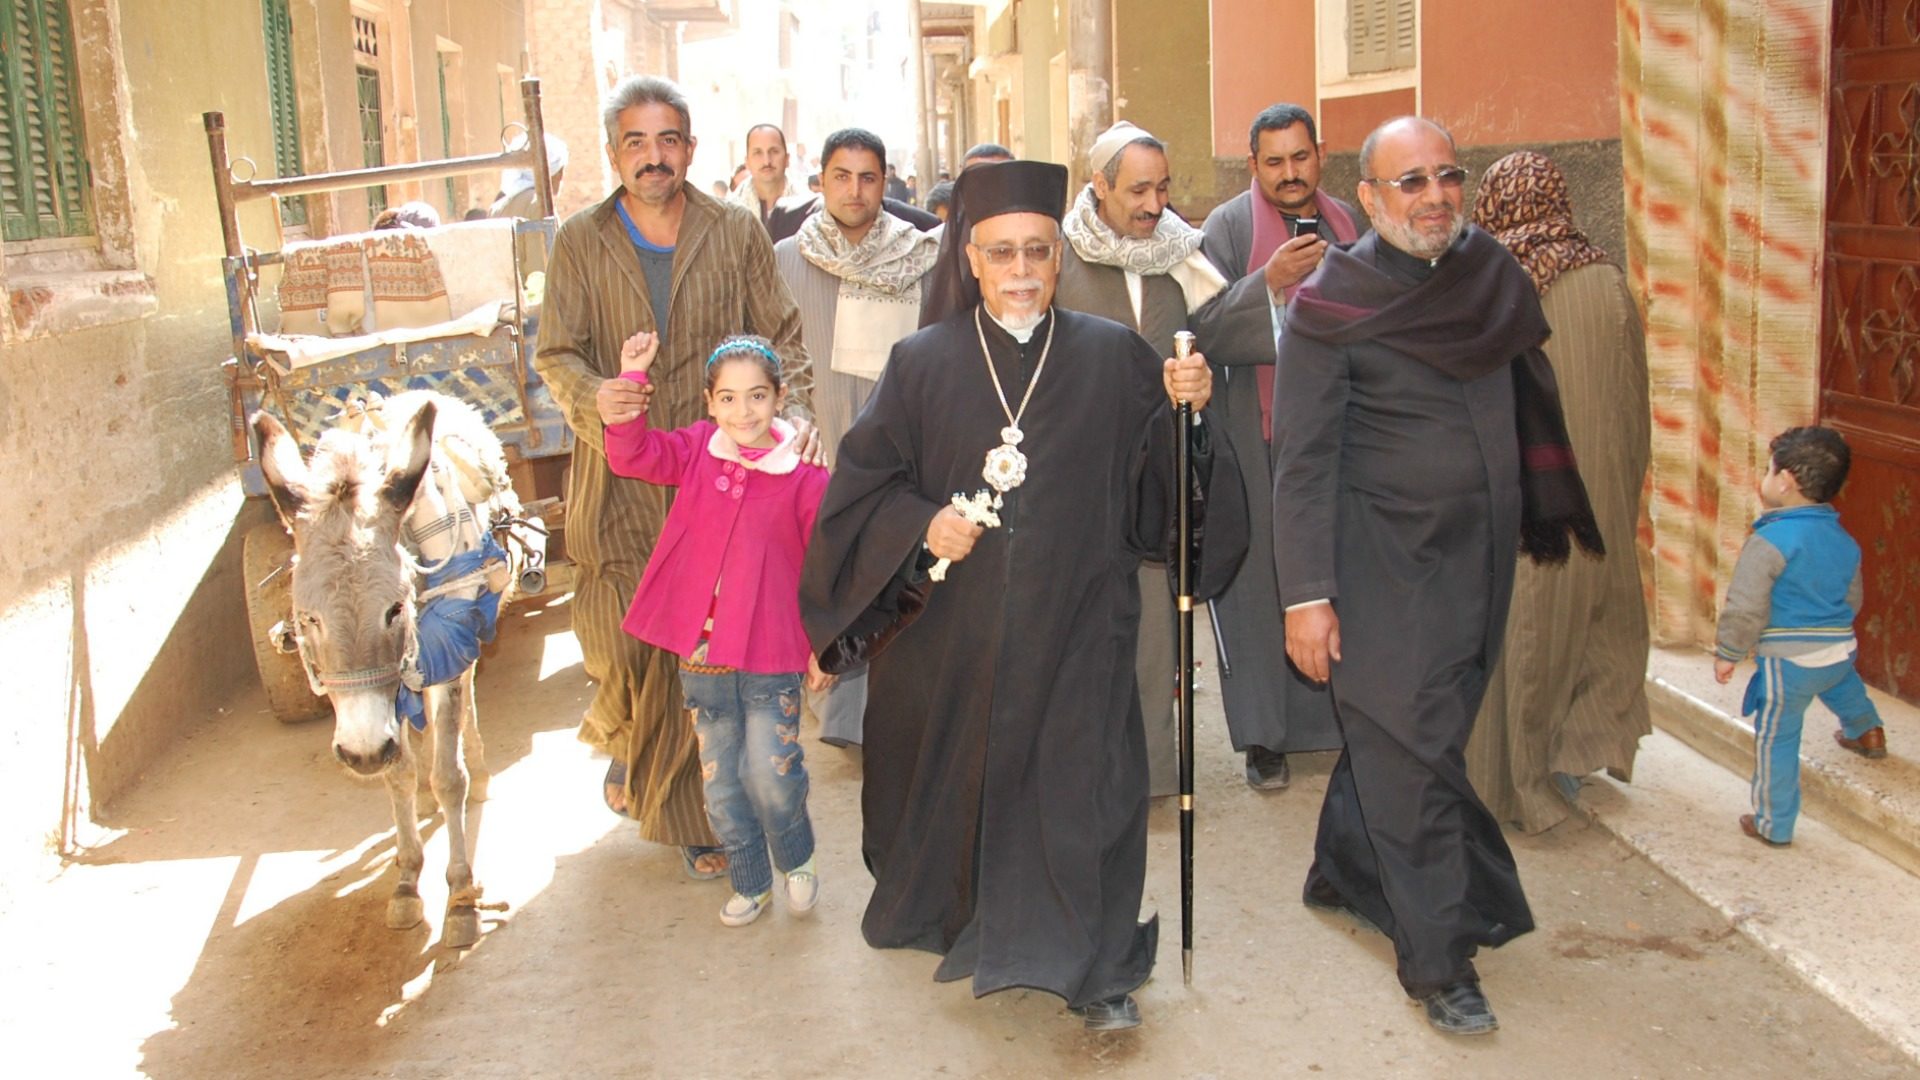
(121, 606)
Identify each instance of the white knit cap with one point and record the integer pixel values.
(1112, 141)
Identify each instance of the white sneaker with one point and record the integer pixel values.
(803, 888)
(741, 909)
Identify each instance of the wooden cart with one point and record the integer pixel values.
(491, 370)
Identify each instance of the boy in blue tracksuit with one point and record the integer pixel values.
(1795, 592)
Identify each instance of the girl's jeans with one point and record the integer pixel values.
(754, 770)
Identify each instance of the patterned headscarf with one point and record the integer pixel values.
(1523, 202)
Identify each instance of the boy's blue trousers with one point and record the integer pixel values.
(1777, 701)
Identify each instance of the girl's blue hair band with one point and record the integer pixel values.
(743, 346)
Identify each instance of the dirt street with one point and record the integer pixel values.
(231, 926)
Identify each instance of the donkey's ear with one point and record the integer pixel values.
(280, 463)
(407, 458)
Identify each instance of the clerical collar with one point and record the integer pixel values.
(1021, 336)
(1406, 263)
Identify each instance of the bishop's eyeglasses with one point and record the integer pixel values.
(1002, 254)
(1413, 183)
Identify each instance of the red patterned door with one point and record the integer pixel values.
(1870, 369)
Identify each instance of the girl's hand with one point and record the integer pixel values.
(1722, 670)
(818, 681)
(638, 352)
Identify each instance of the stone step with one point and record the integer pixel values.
(1875, 804)
(1833, 912)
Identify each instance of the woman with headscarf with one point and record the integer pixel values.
(1568, 695)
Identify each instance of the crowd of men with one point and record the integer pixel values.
(1360, 489)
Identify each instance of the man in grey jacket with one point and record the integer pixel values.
(1266, 240)
(855, 273)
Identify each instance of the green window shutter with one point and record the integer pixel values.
(13, 199)
(43, 175)
(1381, 35)
(277, 25)
(1406, 35)
(1366, 36)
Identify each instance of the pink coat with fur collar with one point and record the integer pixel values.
(739, 525)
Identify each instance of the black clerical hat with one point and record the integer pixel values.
(1011, 187)
(981, 192)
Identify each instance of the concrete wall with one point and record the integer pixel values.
(1520, 71)
(579, 49)
(1162, 75)
(1262, 53)
(121, 610)
(1501, 74)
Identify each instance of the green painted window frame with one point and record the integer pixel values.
(446, 133)
(276, 23)
(45, 180)
(373, 146)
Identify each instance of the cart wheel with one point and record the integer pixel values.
(265, 548)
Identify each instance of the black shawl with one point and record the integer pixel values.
(1477, 311)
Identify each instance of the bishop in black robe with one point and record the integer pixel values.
(1005, 793)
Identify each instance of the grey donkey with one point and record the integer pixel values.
(393, 482)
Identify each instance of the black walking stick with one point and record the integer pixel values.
(1183, 576)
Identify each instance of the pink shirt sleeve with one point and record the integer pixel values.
(813, 489)
(636, 450)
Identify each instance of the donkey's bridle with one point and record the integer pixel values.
(323, 683)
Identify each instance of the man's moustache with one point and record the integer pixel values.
(663, 170)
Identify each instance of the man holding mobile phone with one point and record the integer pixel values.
(1266, 241)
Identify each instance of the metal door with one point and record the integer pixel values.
(1870, 363)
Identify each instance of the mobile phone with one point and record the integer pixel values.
(1306, 226)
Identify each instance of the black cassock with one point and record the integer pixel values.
(1005, 799)
(1398, 494)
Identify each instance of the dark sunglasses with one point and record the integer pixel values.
(1452, 176)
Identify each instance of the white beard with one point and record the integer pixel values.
(1021, 326)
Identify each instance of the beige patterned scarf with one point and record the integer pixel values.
(879, 301)
(1172, 250)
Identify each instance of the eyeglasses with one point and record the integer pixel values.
(1002, 254)
(1452, 176)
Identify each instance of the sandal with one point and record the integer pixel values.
(691, 855)
(613, 789)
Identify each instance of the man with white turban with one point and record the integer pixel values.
(1128, 259)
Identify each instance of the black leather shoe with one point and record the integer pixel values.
(1266, 770)
(1113, 1014)
(1461, 1009)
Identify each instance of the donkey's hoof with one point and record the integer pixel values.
(477, 786)
(404, 912)
(462, 928)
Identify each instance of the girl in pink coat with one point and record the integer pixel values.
(722, 592)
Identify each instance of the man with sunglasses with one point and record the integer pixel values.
(1004, 805)
(1418, 442)
(1266, 240)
